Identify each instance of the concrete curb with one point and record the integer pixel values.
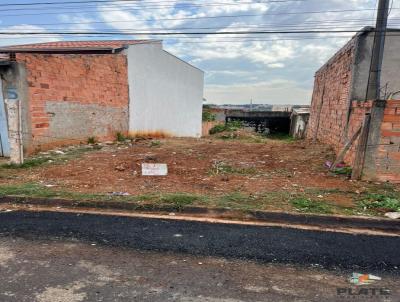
(329, 221)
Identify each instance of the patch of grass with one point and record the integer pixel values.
(91, 140)
(53, 158)
(310, 206)
(237, 200)
(155, 143)
(277, 200)
(230, 126)
(380, 202)
(281, 137)
(28, 163)
(222, 168)
(179, 200)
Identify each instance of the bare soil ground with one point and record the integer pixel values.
(242, 168)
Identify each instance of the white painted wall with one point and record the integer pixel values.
(166, 93)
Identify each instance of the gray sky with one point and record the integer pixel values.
(268, 68)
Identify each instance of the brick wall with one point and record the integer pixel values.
(74, 96)
(331, 122)
(357, 114)
(330, 99)
(388, 153)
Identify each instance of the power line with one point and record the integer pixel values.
(111, 1)
(272, 23)
(186, 33)
(62, 2)
(206, 17)
(203, 39)
(139, 6)
(243, 27)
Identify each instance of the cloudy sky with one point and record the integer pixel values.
(267, 68)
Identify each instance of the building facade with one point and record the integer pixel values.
(339, 106)
(70, 91)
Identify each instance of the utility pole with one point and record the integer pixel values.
(374, 79)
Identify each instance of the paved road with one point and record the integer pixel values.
(33, 270)
(266, 244)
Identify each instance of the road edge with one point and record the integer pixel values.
(330, 221)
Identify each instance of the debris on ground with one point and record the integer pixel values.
(119, 194)
(154, 169)
(393, 215)
(121, 167)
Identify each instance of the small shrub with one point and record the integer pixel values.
(229, 126)
(310, 206)
(217, 129)
(155, 143)
(120, 137)
(233, 125)
(208, 116)
(91, 140)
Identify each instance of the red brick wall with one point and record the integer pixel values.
(329, 113)
(82, 79)
(388, 155)
(330, 100)
(358, 111)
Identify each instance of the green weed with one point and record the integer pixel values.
(229, 126)
(28, 163)
(179, 200)
(208, 116)
(310, 206)
(91, 140)
(222, 168)
(120, 137)
(380, 202)
(155, 143)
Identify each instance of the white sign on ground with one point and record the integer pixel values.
(154, 169)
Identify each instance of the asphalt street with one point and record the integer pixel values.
(34, 270)
(265, 244)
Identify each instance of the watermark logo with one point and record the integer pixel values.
(362, 279)
(363, 292)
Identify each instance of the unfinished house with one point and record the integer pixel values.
(340, 110)
(70, 91)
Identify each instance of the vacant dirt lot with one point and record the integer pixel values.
(246, 169)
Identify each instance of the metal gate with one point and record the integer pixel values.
(4, 140)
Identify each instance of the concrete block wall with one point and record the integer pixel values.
(74, 96)
(330, 99)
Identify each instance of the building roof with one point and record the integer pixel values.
(75, 46)
(301, 110)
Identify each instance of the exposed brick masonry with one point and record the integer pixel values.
(336, 124)
(76, 78)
